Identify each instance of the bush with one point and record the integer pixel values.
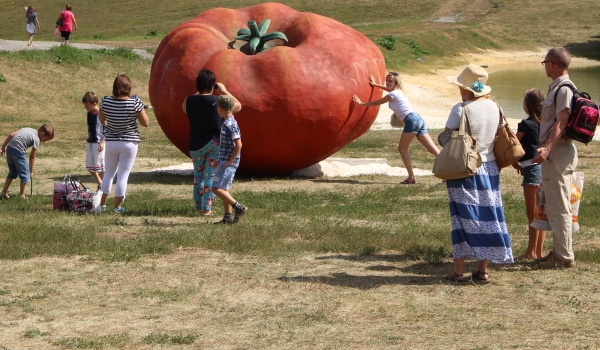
(388, 42)
(415, 50)
(2, 78)
(153, 32)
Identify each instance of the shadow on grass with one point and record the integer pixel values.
(366, 282)
(589, 49)
(352, 182)
(375, 257)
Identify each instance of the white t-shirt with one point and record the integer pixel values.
(399, 104)
(484, 116)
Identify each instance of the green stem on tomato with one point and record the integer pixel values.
(257, 35)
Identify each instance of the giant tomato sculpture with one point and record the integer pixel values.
(296, 97)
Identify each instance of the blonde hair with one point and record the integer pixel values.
(397, 80)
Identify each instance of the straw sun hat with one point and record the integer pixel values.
(472, 78)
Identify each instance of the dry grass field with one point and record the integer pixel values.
(326, 263)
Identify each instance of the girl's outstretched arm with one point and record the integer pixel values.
(381, 101)
(374, 84)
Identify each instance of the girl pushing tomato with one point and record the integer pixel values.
(414, 125)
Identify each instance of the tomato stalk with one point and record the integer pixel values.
(256, 35)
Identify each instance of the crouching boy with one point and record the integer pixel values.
(229, 160)
(15, 147)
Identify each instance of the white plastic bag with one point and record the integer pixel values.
(541, 222)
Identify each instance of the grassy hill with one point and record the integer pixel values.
(422, 28)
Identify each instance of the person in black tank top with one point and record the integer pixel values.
(205, 127)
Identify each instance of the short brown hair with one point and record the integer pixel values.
(89, 97)
(48, 130)
(68, 7)
(31, 8)
(560, 56)
(533, 103)
(121, 86)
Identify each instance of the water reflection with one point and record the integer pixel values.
(509, 85)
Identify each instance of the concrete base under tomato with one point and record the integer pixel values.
(330, 167)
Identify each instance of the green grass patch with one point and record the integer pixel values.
(94, 342)
(34, 333)
(166, 339)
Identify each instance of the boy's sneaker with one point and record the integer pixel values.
(224, 221)
(120, 210)
(239, 212)
(103, 208)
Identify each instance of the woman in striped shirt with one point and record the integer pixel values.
(121, 114)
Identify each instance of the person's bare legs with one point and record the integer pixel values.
(98, 177)
(536, 237)
(118, 201)
(405, 140)
(228, 200)
(30, 42)
(427, 142)
(457, 271)
(22, 189)
(6, 186)
(482, 269)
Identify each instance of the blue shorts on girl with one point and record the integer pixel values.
(413, 123)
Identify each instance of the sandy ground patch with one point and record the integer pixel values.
(433, 97)
(313, 301)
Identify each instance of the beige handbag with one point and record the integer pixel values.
(459, 158)
(507, 147)
(396, 122)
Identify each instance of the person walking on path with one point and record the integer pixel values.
(205, 129)
(414, 125)
(32, 22)
(479, 228)
(558, 156)
(528, 133)
(66, 28)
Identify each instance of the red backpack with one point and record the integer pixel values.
(583, 117)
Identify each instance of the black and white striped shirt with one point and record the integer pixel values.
(121, 118)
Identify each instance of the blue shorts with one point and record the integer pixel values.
(223, 177)
(532, 175)
(413, 123)
(17, 165)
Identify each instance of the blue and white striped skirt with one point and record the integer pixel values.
(479, 229)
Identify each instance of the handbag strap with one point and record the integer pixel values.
(502, 119)
(464, 117)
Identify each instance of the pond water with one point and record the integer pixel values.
(509, 85)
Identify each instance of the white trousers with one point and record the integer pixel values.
(118, 155)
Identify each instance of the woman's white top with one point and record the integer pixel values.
(399, 104)
(484, 116)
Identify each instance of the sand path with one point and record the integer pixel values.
(433, 97)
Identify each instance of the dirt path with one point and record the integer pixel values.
(17, 45)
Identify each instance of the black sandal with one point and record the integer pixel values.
(454, 277)
(480, 275)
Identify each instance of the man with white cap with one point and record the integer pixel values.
(558, 156)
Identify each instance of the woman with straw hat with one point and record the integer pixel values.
(479, 229)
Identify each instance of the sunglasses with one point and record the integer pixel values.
(546, 61)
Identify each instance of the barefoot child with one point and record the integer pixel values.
(32, 21)
(528, 133)
(229, 159)
(94, 160)
(414, 125)
(15, 147)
